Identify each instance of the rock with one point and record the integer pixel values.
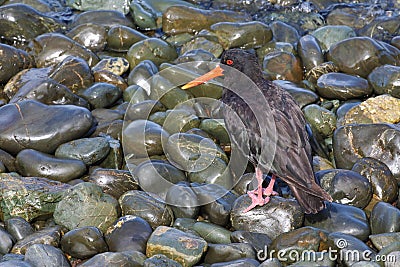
(156, 50)
(119, 5)
(120, 38)
(182, 200)
(181, 19)
(284, 32)
(83, 242)
(385, 239)
(341, 218)
(88, 150)
(244, 35)
(143, 205)
(86, 205)
(384, 80)
(384, 185)
(212, 233)
(47, 236)
(116, 65)
(106, 76)
(52, 48)
(114, 182)
(329, 35)
(351, 54)
(259, 241)
(6, 241)
(280, 215)
(15, 263)
(228, 252)
(302, 96)
(179, 120)
(141, 75)
(354, 141)
(217, 172)
(107, 18)
(18, 227)
(322, 120)
(54, 125)
(310, 52)
(379, 109)
(342, 86)
(216, 128)
(187, 249)
(135, 94)
(385, 218)
(115, 259)
(101, 95)
(283, 66)
(29, 197)
(160, 260)
(45, 255)
(128, 233)
(13, 61)
(203, 43)
(143, 110)
(91, 36)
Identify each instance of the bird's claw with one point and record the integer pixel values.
(256, 200)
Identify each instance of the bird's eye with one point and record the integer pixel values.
(229, 62)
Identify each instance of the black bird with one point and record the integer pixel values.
(292, 159)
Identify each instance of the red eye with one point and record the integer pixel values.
(229, 62)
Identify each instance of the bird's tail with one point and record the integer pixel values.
(312, 200)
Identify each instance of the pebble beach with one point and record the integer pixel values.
(106, 161)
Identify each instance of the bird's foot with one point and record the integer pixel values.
(256, 200)
(267, 192)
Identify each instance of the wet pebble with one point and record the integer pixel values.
(302, 96)
(212, 233)
(211, 46)
(107, 18)
(116, 65)
(385, 218)
(160, 260)
(342, 86)
(280, 215)
(384, 80)
(128, 233)
(49, 236)
(331, 34)
(18, 227)
(144, 110)
(107, 76)
(341, 218)
(187, 249)
(13, 60)
(217, 172)
(284, 32)
(228, 252)
(54, 125)
(259, 241)
(29, 197)
(216, 128)
(15, 263)
(45, 255)
(117, 5)
(83, 242)
(6, 242)
(91, 36)
(310, 52)
(114, 259)
(101, 95)
(35, 163)
(322, 120)
(120, 38)
(85, 204)
(382, 240)
(283, 66)
(183, 201)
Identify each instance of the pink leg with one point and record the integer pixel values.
(269, 191)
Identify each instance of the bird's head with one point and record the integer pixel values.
(238, 59)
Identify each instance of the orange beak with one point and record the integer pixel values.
(218, 71)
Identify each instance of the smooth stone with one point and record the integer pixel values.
(91, 36)
(54, 125)
(88, 150)
(217, 172)
(160, 260)
(191, 152)
(346, 187)
(18, 227)
(216, 128)
(183, 201)
(134, 94)
(83, 242)
(321, 119)
(114, 259)
(212, 233)
(6, 241)
(12, 257)
(385, 239)
(45, 255)
(13, 60)
(182, 19)
(29, 197)
(310, 52)
(384, 218)
(113, 182)
(118, 5)
(344, 108)
(116, 65)
(180, 120)
(187, 249)
(272, 262)
(390, 255)
(143, 110)
(354, 141)
(115, 158)
(157, 177)
(144, 205)
(259, 241)
(329, 35)
(112, 129)
(47, 48)
(384, 80)
(283, 66)
(395, 41)
(302, 96)
(101, 95)
(244, 35)
(341, 218)
(106, 76)
(350, 245)
(85, 204)
(246, 262)
(144, 139)
(156, 50)
(228, 252)
(120, 38)
(284, 32)
(35, 163)
(8, 161)
(342, 86)
(351, 54)
(49, 236)
(211, 46)
(321, 164)
(103, 115)
(15, 263)
(195, 55)
(280, 215)
(379, 109)
(128, 233)
(141, 75)
(107, 18)
(185, 224)
(384, 185)
(21, 23)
